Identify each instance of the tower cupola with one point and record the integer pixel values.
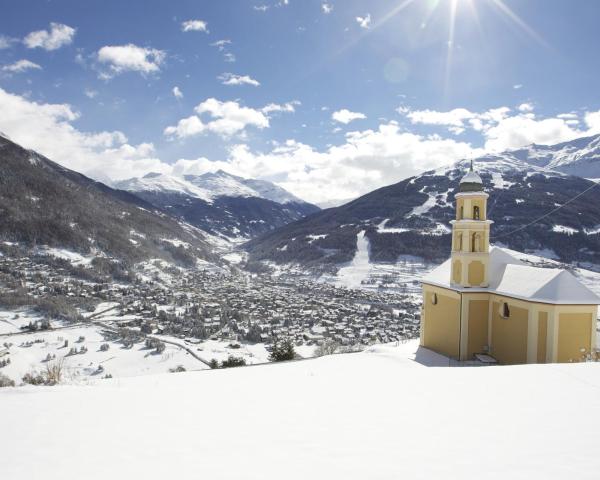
(471, 182)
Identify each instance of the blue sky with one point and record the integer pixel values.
(330, 99)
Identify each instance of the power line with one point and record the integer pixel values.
(595, 184)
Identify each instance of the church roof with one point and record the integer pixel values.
(471, 182)
(511, 277)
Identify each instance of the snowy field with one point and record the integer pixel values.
(29, 353)
(373, 415)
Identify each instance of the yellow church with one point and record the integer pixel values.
(484, 301)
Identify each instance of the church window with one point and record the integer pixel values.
(434, 299)
(505, 310)
(476, 212)
(461, 213)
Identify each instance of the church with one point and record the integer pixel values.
(485, 301)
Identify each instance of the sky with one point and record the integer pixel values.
(328, 99)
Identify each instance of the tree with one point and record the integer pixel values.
(233, 362)
(282, 351)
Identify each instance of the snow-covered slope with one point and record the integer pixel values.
(579, 157)
(166, 184)
(383, 414)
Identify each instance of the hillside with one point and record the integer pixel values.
(45, 205)
(413, 217)
(380, 414)
(220, 203)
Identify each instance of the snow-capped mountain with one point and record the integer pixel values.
(413, 216)
(221, 203)
(44, 205)
(579, 157)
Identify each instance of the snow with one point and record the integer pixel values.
(425, 207)
(81, 368)
(380, 414)
(73, 257)
(499, 182)
(381, 228)
(352, 275)
(11, 321)
(564, 229)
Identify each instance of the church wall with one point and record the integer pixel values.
(542, 336)
(478, 327)
(574, 334)
(441, 322)
(456, 271)
(509, 335)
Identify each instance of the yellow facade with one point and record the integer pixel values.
(462, 324)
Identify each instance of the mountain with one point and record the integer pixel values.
(43, 204)
(413, 216)
(220, 203)
(579, 157)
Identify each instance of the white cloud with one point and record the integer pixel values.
(345, 116)
(90, 93)
(177, 93)
(525, 107)
(48, 129)
(364, 22)
(517, 86)
(130, 57)
(194, 26)
(21, 66)
(503, 129)
(326, 8)
(232, 79)
(7, 42)
(58, 36)
(261, 8)
(366, 160)
(226, 119)
(229, 57)
(221, 44)
(289, 107)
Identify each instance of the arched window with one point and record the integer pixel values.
(462, 213)
(434, 299)
(505, 310)
(474, 243)
(460, 245)
(476, 212)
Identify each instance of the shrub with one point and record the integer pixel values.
(177, 369)
(214, 363)
(282, 351)
(233, 362)
(326, 347)
(104, 347)
(5, 381)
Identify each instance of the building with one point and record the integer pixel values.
(485, 301)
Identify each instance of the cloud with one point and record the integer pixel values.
(221, 44)
(345, 116)
(194, 26)
(21, 66)
(502, 129)
(517, 86)
(289, 107)
(226, 119)
(7, 42)
(229, 57)
(177, 93)
(366, 160)
(326, 8)
(48, 128)
(261, 8)
(88, 92)
(232, 79)
(58, 36)
(130, 57)
(525, 107)
(364, 22)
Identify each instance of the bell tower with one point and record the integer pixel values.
(471, 234)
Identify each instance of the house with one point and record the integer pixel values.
(485, 301)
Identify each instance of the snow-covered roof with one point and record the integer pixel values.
(471, 177)
(510, 277)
